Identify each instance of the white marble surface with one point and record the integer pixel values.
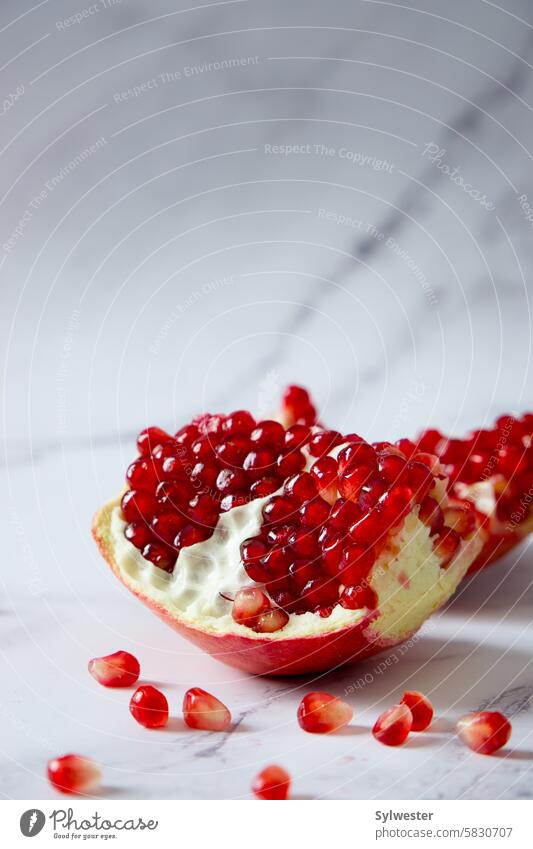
(181, 266)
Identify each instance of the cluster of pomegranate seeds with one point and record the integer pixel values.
(149, 707)
(120, 669)
(272, 783)
(74, 774)
(321, 713)
(204, 711)
(485, 731)
(392, 727)
(504, 453)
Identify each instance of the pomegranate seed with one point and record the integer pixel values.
(264, 486)
(355, 454)
(233, 451)
(301, 487)
(270, 621)
(369, 529)
(239, 423)
(332, 548)
(314, 513)
(324, 442)
(304, 544)
(187, 435)
(371, 493)
(485, 731)
(248, 604)
(120, 669)
(419, 479)
(138, 533)
(421, 709)
(278, 509)
(150, 438)
(191, 535)
(175, 468)
(209, 424)
(259, 464)
(160, 555)
(203, 510)
(74, 774)
(230, 481)
(344, 514)
(149, 707)
(273, 783)
(280, 535)
(268, 434)
(203, 711)
(166, 526)
(393, 726)
(406, 447)
(394, 506)
(137, 505)
(357, 598)
(431, 515)
(324, 472)
(356, 564)
(203, 448)
(276, 562)
(238, 499)
(391, 467)
(252, 550)
(320, 713)
(297, 405)
(297, 436)
(291, 463)
(429, 440)
(445, 546)
(319, 592)
(301, 573)
(173, 494)
(141, 474)
(352, 479)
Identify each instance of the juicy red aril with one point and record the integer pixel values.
(298, 407)
(297, 436)
(150, 438)
(233, 451)
(371, 493)
(324, 472)
(421, 709)
(290, 463)
(138, 505)
(74, 774)
(355, 565)
(174, 468)
(205, 712)
(419, 479)
(276, 562)
(301, 487)
(237, 499)
(431, 515)
(203, 477)
(391, 467)
(172, 494)
(230, 481)
(332, 549)
(278, 509)
(190, 535)
(268, 434)
(445, 545)
(141, 474)
(321, 713)
(356, 598)
(203, 448)
(324, 442)
(138, 533)
(264, 486)
(186, 435)
(394, 506)
(252, 550)
(429, 440)
(271, 620)
(280, 535)
(239, 423)
(160, 555)
(301, 573)
(484, 732)
(120, 669)
(259, 463)
(344, 514)
(393, 726)
(352, 479)
(369, 529)
(319, 592)
(314, 513)
(407, 447)
(303, 543)
(149, 707)
(355, 454)
(272, 783)
(203, 510)
(248, 604)
(165, 526)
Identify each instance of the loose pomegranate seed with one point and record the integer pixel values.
(149, 707)
(446, 545)
(268, 434)
(120, 669)
(273, 783)
(74, 774)
(137, 505)
(314, 513)
(150, 438)
(239, 423)
(271, 621)
(138, 533)
(203, 711)
(320, 713)
(421, 709)
(324, 442)
(301, 487)
(160, 555)
(393, 726)
(484, 732)
(248, 605)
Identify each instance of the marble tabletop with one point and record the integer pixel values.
(199, 203)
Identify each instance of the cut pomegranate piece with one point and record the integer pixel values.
(203, 711)
(320, 713)
(393, 726)
(485, 731)
(120, 669)
(273, 782)
(74, 774)
(421, 709)
(149, 707)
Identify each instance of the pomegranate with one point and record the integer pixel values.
(120, 669)
(203, 711)
(74, 774)
(149, 707)
(393, 726)
(485, 731)
(273, 782)
(285, 548)
(320, 713)
(421, 709)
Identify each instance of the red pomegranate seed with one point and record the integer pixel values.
(173, 494)
(321, 713)
(252, 550)
(273, 783)
(421, 709)
(352, 479)
(276, 562)
(203, 448)
(150, 438)
(356, 598)
(319, 592)
(369, 529)
(461, 518)
(332, 549)
(429, 440)
(297, 436)
(120, 669)
(138, 533)
(233, 451)
(485, 731)
(419, 479)
(344, 514)
(260, 463)
(394, 506)
(238, 423)
(165, 526)
(431, 515)
(304, 543)
(175, 468)
(160, 555)
(280, 535)
(203, 510)
(190, 535)
(324, 442)
(149, 707)
(248, 605)
(203, 711)
(355, 565)
(324, 472)
(141, 474)
(187, 435)
(271, 621)
(407, 447)
(301, 573)
(137, 505)
(278, 509)
(445, 546)
(230, 481)
(355, 454)
(371, 492)
(314, 513)
(268, 434)
(264, 486)
(391, 467)
(237, 499)
(290, 463)
(301, 487)
(393, 726)
(74, 774)
(298, 406)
